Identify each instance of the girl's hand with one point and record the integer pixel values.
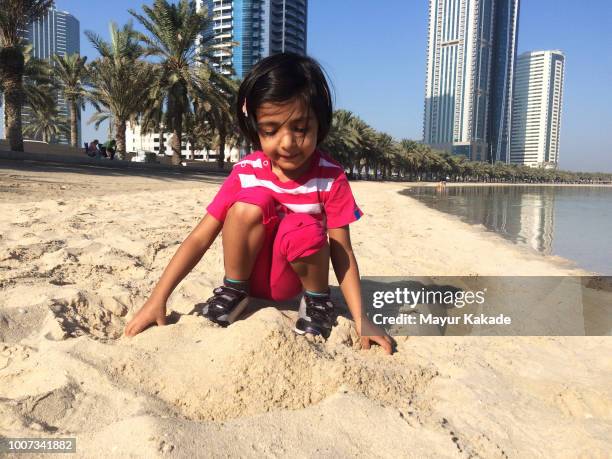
(381, 338)
(152, 312)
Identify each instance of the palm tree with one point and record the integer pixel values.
(342, 141)
(46, 123)
(121, 83)
(14, 17)
(220, 129)
(424, 159)
(366, 153)
(458, 166)
(153, 118)
(119, 90)
(38, 82)
(123, 42)
(71, 73)
(203, 134)
(184, 55)
(38, 87)
(387, 149)
(409, 150)
(221, 116)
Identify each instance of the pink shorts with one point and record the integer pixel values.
(294, 236)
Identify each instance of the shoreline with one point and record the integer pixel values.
(489, 240)
(454, 184)
(99, 169)
(524, 184)
(507, 238)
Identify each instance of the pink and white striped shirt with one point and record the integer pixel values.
(323, 191)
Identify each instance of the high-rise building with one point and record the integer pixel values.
(246, 31)
(536, 108)
(57, 32)
(470, 67)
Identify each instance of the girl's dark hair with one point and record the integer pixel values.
(280, 78)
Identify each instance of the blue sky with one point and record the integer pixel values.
(374, 53)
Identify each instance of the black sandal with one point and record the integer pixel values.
(226, 305)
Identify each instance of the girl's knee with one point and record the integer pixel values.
(252, 207)
(245, 212)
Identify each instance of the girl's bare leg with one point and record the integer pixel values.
(243, 236)
(313, 270)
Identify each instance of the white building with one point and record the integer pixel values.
(138, 142)
(536, 108)
(221, 12)
(471, 53)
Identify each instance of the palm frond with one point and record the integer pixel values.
(15, 15)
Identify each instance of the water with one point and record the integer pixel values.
(572, 222)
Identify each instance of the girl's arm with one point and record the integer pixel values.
(347, 272)
(184, 260)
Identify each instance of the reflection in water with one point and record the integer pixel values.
(573, 222)
(535, 227)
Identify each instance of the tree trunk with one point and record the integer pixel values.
(162, 147)
(177, 140)
(12, 108)
(175, 145)
(11, 84)
(221, 157)
(120, 138)
(74, 137)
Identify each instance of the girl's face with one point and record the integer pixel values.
(288, 136)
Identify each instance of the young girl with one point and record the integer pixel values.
(276, 209)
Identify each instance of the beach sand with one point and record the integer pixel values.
(81, 249)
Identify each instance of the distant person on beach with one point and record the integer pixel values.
(277, 209)
(111, 148)
(442, 183)
(92, 149)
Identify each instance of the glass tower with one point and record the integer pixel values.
(57, 32)
(470, 70)
(246, 31)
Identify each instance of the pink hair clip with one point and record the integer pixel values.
(244, 109)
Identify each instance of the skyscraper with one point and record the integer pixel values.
(258, 28)
(470, 67)
(536, 107)
(57, 32)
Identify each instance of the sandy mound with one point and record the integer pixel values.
(254, 366)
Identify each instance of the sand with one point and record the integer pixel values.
(81, 248)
